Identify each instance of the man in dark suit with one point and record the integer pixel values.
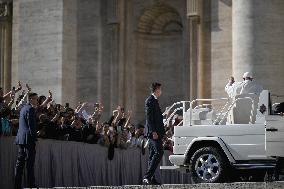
(155, 133)
(26, 140)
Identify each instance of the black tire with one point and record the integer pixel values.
(215, 163)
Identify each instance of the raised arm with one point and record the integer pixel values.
(48, 99)
(98, 112)
(80, 107)
(13, 91)
(12, 97)
(25, 99)
(113, 123)
(55, 118)
(128, 119)
(19, 87)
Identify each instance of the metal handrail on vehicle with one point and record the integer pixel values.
(173, 113)
(175, 110)
(201, 106)
(197, 100)
(174, 104)
(234, 102)
(180, 123)
(221, 113)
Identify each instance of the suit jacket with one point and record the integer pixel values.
(154, 117)
(27, 126)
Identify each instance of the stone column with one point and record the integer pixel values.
(1, 55)
(122, 16)
(194, 20)
(204, 69)
(7, 56)
(38, 45)
(258, 41)
(193, 59)
(200, 84)
(113, 23)
(6, 44)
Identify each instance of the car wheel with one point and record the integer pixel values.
(209, 165)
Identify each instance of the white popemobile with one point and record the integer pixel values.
(243, 135)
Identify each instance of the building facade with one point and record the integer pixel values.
(111, 50)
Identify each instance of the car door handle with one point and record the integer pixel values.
(272, 129)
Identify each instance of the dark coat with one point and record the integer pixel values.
(154, 117)
(27, 126)
(76, 134)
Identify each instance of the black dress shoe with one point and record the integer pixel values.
(147, 181)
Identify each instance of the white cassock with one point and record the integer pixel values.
(243, 87)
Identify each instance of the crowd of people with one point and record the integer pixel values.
(61, 122)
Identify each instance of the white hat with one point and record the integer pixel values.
(247, 74)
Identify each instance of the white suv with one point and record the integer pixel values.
(243, 135)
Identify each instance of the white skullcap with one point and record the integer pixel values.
(247, 74)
